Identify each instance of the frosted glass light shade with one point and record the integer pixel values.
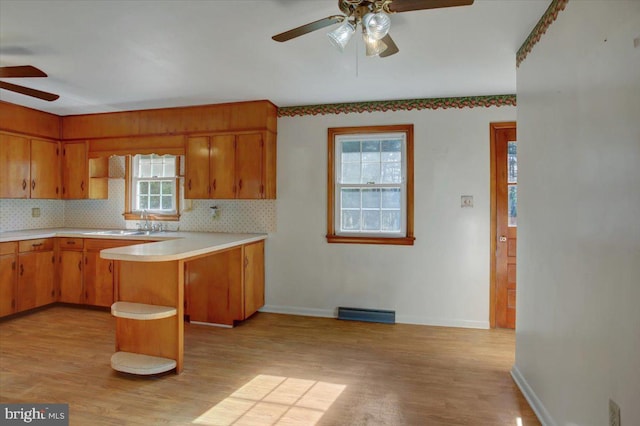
(377, 24)
(341, 35)
(373, 47)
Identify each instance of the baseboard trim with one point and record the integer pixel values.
(400, 319)
(536, 405)
(306, 312)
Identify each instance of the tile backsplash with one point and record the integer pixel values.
(232, 216)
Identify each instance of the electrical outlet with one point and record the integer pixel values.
(614, 414)
(35, 212)
(466, 201)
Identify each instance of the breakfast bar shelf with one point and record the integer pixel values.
(127, 362)
(141, 311)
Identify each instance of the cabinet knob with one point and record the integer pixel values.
(240, 184)
(33, 185)
(21, 269)
(24, 184)
(189, 184)
(80, 265)
(110, 266)
(82, 185)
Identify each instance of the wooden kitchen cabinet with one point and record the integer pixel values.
(29, 167)
(71, 273)
(99, 273)
(36, 274)
(82, 177)
(226, 286)
(8, 277)
(231, 166)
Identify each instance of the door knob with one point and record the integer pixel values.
(502, 239)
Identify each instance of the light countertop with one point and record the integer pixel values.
(168, 246)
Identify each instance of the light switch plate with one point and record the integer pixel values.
(35, 212)
(466, 201)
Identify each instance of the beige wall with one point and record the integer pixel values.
(578, 321)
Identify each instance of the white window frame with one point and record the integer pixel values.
(135, 179)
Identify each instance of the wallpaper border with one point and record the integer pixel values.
(549, 16)
(399, 105)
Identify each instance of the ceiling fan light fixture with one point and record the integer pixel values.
(372, 46)
(341, 35)
(377, 24)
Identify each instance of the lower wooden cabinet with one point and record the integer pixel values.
(226, 286)
(86, 278)
(36, 274)
(8, 277)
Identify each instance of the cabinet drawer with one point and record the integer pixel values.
(8, 247)
(42, 244)
(71, 243)
(101, 244)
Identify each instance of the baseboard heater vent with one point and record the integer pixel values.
(368, 315)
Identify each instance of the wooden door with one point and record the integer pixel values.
(45, 278)
(45, 169)
(14, 166)
(71, 271)
(98, 280)
(253, 278)
(249, 166)
(8, 276)
(506, 186)
(222, 167)
(196, 179)
(74, 171)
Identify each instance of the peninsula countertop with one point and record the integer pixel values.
(167, 246)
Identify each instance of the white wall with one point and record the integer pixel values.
(443, 279)
(578, 320)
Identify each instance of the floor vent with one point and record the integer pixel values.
(368, 315)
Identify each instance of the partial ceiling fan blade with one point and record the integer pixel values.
(409, 5)
(29, 92)
(21, 71)
(391, 49)
(304, 29)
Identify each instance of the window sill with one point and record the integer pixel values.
(341, 239)
(151, 216)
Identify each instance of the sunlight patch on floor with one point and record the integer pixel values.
(274, 400)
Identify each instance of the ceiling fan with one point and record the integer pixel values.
(373, 17)
(25, 71)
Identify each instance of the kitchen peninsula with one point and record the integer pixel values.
(159, 279)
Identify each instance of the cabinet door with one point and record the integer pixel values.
(98, 280)
(253, 278)
(26, 281)
(222, 168)
(14, 166)
(74, 170)
(196, 180)
(8, 276)
(71, 277)
(45, 169)
(214, 287)
(249, 166)
(45, 278)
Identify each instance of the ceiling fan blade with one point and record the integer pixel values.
(29, 92)
(391, 49)
(409, 5)
(304, 29)
(21, 71)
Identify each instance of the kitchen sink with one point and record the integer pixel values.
(119, 232)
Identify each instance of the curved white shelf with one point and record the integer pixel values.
(128, 362)
(141, 311)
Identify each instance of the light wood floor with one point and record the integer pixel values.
(272, 369)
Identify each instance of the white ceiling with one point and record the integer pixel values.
(121, 55)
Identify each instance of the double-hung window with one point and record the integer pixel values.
(371, 185)
(154, 185)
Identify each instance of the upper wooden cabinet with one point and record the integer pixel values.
(83, 177)
(29, 167)
(228, 166)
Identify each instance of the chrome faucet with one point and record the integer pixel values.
(145, 216)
